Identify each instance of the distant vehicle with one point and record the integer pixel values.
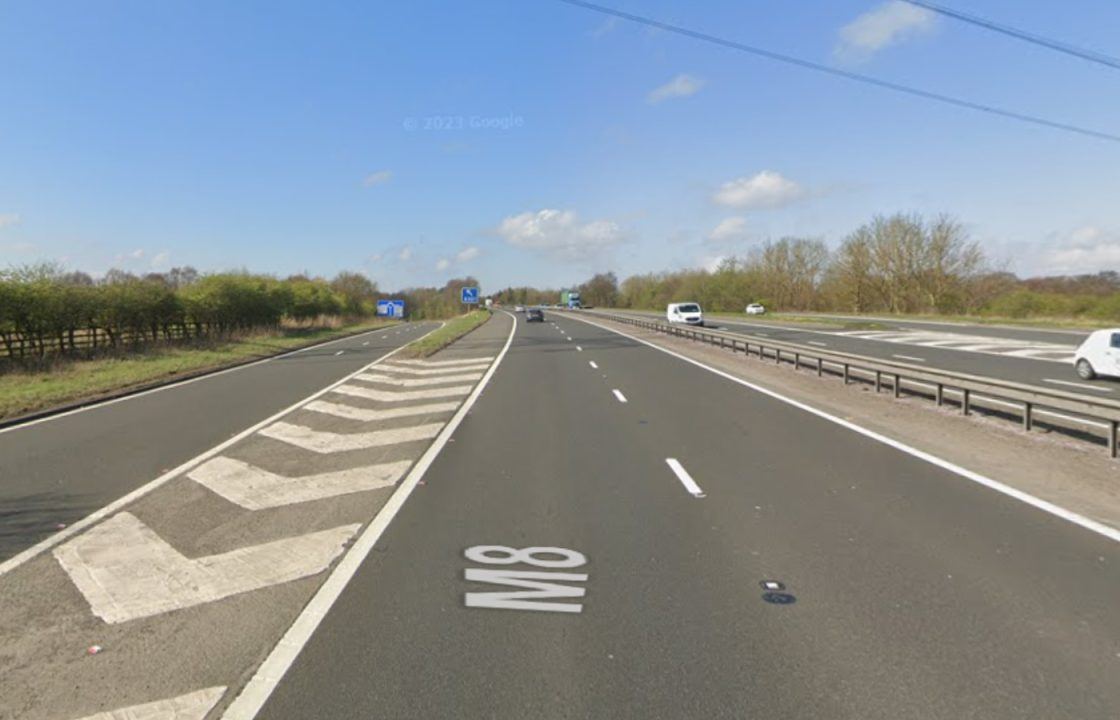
(519, 308)
(1099, 355)
(755, 309)
(569, 299)
(534, 315)
(688, 313)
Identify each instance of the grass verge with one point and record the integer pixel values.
(449, 333)
(68, 381)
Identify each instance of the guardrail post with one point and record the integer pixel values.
(847, 373)
(820, 367)
(1028, 419)
(878, 381)
(777, 356)
(1112, 426)
(939, 394)
(897, 384)
(964, 401)
(797, 361)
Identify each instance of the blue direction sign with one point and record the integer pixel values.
(470, 295)
(390, 308)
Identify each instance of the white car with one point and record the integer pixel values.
(755, 309)
(1098, 355)
(686, 312)
(519, 308)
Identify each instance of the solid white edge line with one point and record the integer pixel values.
(686, 479)
(1044, 505)
(909, 357)
(257, 691)
(35, 550)
(618, 394)
(1087, 386)
(187, 381)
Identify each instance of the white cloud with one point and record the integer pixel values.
(732, 228)
(9, 219)
(405, 254)
(559, 234)
(378, 178)
(680, 86)
(376, 257)
(889, 24)
(467, 253)
(767, 189)
(18, 247)
(443, 264)
(606, 27)
(159, 260)
(1089, 249)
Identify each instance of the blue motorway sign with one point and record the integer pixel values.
(390, 308)
(470, 295)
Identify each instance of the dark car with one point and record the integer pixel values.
(534, 315)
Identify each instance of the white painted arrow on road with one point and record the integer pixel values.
(126, 571)
(386, 367)
(330, 442)
(192, 706)
(402, 395)
(365, 415)
(254, 488)
(417, 382)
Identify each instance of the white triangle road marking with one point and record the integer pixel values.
(126, 571)
(402, 395)
(329, 442)
(192, 706)
(446, 363)
(405, 370)
(417, 382)
(365, 415)
(254, 488)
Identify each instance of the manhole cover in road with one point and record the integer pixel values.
(779, 598)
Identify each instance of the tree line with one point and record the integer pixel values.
(43, 309)
(900, 264)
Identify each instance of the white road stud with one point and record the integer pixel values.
(330, 442)
(417, 382)
(192, 706)
(254, 488)
(365, 415)
(402, 395)
(126, 571)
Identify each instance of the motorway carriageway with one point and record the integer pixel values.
(990, 362)
(716, 552)
(60, 469)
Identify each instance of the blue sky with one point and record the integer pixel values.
(532, 142)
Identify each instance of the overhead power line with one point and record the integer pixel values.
(857, 77)
(1090, 55)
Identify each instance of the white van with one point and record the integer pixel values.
(686, 312)
(1099, 355)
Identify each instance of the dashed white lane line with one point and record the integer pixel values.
(126, 571)
(192, 706)
(339, 353)
(366, 343)
(593, 364)
(686, 479)
(579, 348)
(909, 357)
(569, 338)
(402, 395)
(255, 488)
(818, 344)
(1086, 386)
(417, 382)
(365, 415)
(329, 442)
(618, 394)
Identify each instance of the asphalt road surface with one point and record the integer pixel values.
(671, 496)
(57, 471)
(977, 350)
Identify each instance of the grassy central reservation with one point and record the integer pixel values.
(25, 391)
